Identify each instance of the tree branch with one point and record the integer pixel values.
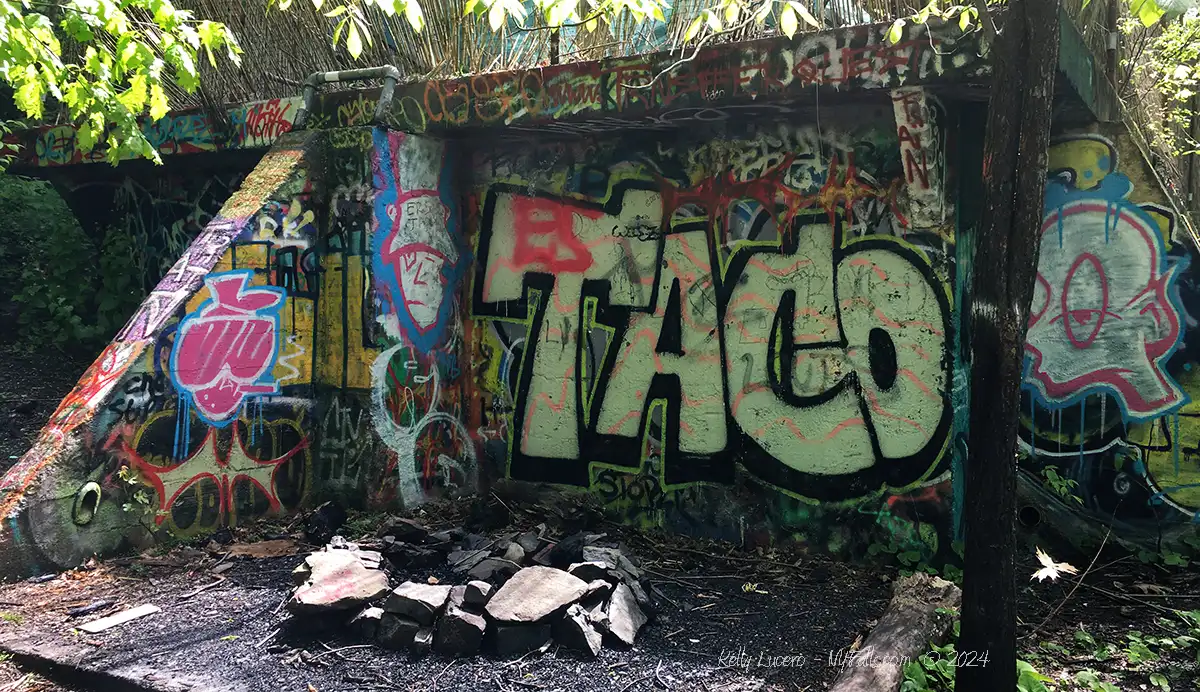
(691, 57)
(985, 20)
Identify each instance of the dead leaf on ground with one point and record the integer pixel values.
(1151, 588)
(1050, 569)
(281, 547)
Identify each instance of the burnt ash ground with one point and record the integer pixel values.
(224, 638)
(31, 387)
(1119, 595)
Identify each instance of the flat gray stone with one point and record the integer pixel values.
(514, 553)
(512, 639)
(478, 593)
(396, 632)
(575, 631)
(529, 542)
(367, 622)
(337, 581)
(458, 633)
(464, 560)
(625, 618)
(533, 593)
(493, 567)
(420, 602)
(611, 556)
(458, 594)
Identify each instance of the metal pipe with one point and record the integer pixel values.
(388, 73)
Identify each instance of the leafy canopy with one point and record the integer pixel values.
(107, 61)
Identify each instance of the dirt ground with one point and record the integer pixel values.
(722, 619)
(1101, 626)
(31, 387)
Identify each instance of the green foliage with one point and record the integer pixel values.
(1064, 488)
(14, 618)
(130, 50)
(61, 298)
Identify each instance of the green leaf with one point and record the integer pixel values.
(964, 20)
(1160, 681)
(84, 139)
(895, 31)
(805, 14)
(496, 15)
(353, 41)
(914, 672)
(336, 12)
(694, 28)
(29, 98)
(414, 15)
(788, 23)
(158, 102)
(1147, 11)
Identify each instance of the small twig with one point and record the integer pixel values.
(731, 558)
(658, 678)
(985, 20)
(15, 686)
(641, 679)
(1130, 599)
(738, 615)
(700, 45)
(435, 679)
(268, 638)
(338, 650)
(206, 587)
(698, 653)
(1077, 583)
(697, 586)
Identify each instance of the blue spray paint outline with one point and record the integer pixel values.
(188, 398)
(1114, 191)
(386, 192)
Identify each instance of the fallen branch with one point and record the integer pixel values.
(915, 617)
(206, 587)
(338, 650)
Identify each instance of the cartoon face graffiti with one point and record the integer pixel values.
(417, 266)
(224, 351)
(1104, 315)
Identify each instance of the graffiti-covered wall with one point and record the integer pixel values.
(1109, 383)
(662, 318)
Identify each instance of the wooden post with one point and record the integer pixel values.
(1025, 62)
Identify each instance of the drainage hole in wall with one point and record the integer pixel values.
(87, 501)
(1029, 516)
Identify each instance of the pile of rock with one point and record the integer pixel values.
(521, 591)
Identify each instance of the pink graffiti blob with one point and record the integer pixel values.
(1102, 316)
(224, 349)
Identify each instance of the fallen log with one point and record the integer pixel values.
(912, 620)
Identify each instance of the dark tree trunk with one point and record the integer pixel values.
(1025, 61)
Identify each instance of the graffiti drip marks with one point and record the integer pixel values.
(416, 382)
(225, 350)
(416, 260)
(1105, 314)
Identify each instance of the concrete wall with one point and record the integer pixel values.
(742, 329)
(1110, 383)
